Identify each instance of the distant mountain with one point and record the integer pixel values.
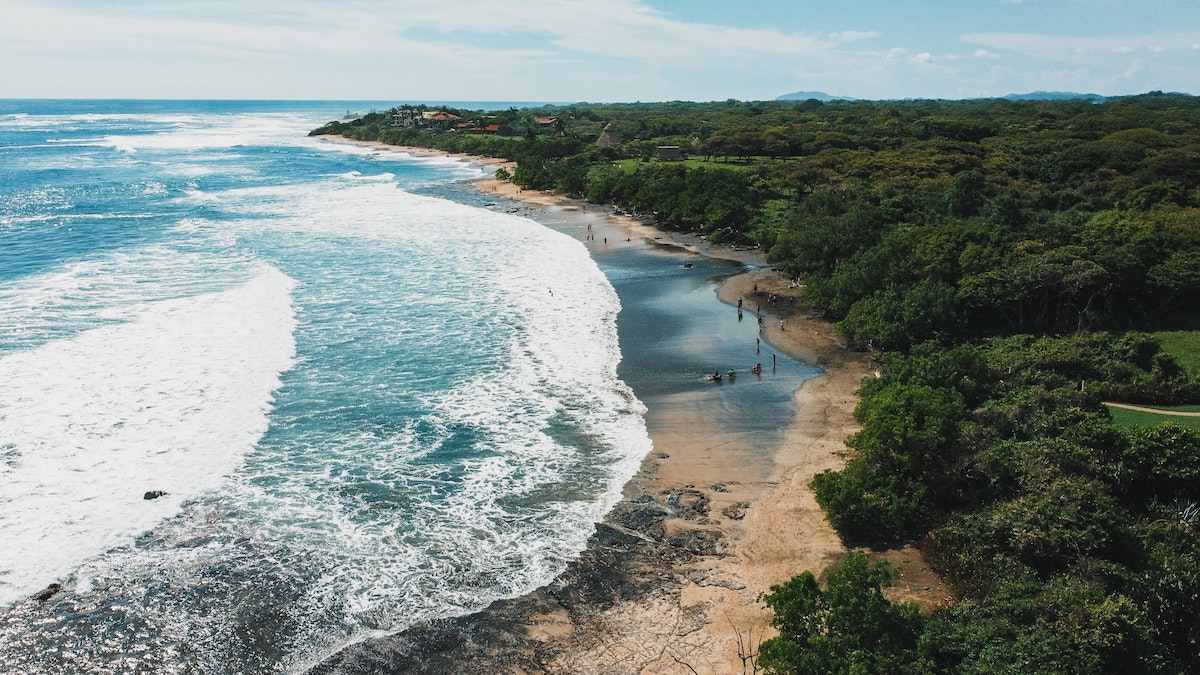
(807, 95)
(1057, 96)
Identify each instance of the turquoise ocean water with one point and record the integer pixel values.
(371, 395)
(364, 403)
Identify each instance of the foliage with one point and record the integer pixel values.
(1044, 517)
(848, 627)
(1000, 258)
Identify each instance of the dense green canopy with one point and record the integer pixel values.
(996, 256)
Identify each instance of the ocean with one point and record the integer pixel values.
(369, 399)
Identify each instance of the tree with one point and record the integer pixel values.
(967, 194)
(850, 627)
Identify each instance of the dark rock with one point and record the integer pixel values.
(642, 515)
(736, 510)
(699, 542)
(719, 487)
(687, 503)
(619, 563)
(661, 455)
(48, 592)
(154, 494)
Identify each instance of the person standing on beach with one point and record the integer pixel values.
(757, 344)
(739, 304)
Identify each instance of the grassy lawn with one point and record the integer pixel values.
(1184, 345)
(1132, 418)
(1190, 407)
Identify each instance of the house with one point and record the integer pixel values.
(545, 121)
(485, 129)
(669, 153)
(439, 116)
(407, 118)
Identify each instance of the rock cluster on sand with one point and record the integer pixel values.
(736, 510)
(688, 503)
(629, 556)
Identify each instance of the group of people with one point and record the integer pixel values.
(591, 236)
(757, 368)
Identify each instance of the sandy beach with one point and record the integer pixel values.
(670, 582)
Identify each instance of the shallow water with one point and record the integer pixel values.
(370, 401)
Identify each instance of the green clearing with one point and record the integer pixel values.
(1189, 408)
(1129, 419)
(1184, 345)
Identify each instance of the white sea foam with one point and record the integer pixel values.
(168, 400)
(87, 293)
(370, 178)
(553, 433)
(558, 311)
(217, 132)
(463, 167)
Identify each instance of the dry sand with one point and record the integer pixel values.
(699, 611)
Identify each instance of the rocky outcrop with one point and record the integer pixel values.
(629, 556)
(47, 592)
(736, 510)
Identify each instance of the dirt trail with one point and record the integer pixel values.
(1152, 411)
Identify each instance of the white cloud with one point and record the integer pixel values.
(1098, 63)
(431, 45)
(477, 49)
(1078, 49)
(1133, 70)
(854, 35)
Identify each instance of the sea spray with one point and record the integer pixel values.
(441, 426)
(169, 400)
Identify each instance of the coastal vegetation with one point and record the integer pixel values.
(1013, 266)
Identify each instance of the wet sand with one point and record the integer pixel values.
(720, 511)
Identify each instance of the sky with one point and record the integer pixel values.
(593, 50)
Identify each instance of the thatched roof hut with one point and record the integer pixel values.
(608, 137)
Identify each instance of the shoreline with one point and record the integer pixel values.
(670, 579)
